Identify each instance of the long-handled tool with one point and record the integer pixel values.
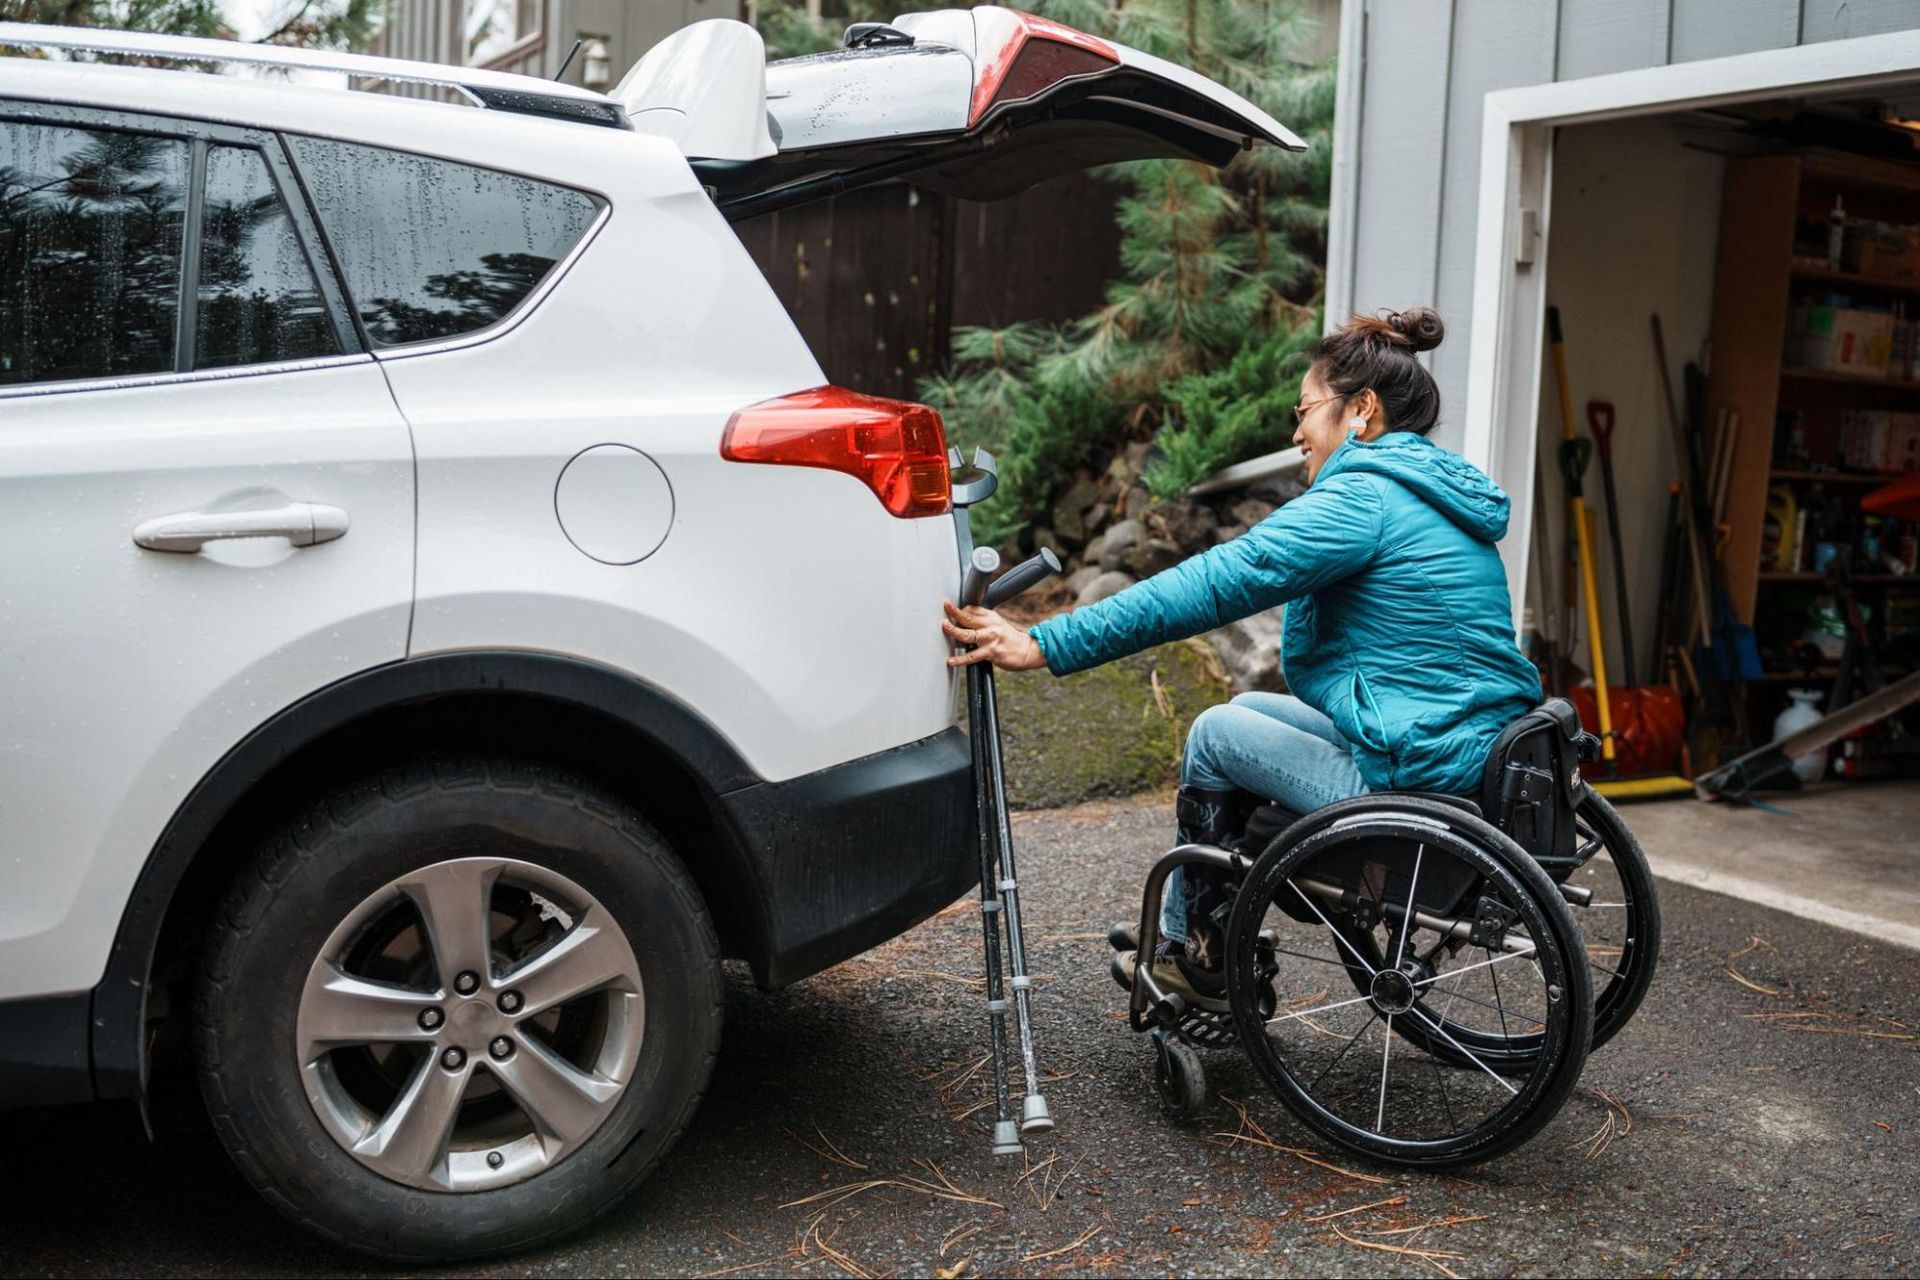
(1714, 710)
(1754, 770)
(999, 884)
(1574, 453)
(1600, 426)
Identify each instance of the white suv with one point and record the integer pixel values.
(426, 525)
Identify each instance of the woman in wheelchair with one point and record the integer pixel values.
(1398, 643)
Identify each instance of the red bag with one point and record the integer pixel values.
(1649, 725)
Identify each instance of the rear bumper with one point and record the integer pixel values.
(43, 1051)
(852, 856)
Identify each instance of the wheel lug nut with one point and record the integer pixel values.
(467, 983)
(510, 1002)
(431, 1018)
(453, 1059)
(501, 1047)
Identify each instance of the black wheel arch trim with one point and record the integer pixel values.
(119, 1001)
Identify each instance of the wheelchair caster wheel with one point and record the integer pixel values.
(1178, 1076)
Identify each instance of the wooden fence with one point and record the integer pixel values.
(877, 279)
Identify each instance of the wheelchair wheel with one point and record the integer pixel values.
(1443, 924)
(1178, 1076)
(1621, 922)
(1619, 925)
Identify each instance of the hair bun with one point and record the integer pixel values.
(1420, 326)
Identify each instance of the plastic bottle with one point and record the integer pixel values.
(1798, 715)
(1836, 233)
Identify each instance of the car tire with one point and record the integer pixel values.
(324, 906)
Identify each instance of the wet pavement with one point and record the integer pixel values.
(1761, 1115)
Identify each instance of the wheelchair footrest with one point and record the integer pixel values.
(1208, 1030)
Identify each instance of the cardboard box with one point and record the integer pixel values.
(1843, 340)
(1890, 261)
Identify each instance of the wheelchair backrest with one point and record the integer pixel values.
(1532, 785)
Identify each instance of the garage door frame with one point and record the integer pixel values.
(1510, 247)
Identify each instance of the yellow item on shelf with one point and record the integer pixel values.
(1783, 516)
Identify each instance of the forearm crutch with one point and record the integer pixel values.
(999, 884)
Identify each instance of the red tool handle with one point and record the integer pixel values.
(1600, 423)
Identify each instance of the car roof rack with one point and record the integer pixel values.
(498, 90)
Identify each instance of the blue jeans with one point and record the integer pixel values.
(1273, 745)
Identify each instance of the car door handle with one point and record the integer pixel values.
(301, 523)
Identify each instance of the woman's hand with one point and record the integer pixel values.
(993, 638)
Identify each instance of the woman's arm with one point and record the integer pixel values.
(1327, 533)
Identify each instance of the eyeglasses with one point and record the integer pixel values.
(1301, 410)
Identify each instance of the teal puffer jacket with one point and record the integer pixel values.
(1399, 626)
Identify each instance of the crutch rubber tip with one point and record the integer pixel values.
(1034, 1115)
(1006, 1138)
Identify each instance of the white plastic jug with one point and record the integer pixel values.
(1798, 715)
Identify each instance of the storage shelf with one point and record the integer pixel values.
(1874, 479)
(1850, 379)
(1856, 280)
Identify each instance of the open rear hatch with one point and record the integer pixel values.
(976, 103)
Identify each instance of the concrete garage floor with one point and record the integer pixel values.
(1770, 1078)
(1846, 855)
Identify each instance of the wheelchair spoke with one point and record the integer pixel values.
(1343, 1053)
(1498, 1004)
(1442, 1033)
(1338, 1004)
(1478, 964)
(1337, 936)
(1454, 994)
(1301, 955)
(1386, 1051)
(1439, 1076)
(1406, 926)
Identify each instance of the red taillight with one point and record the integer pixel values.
(894, 447)
(1002, 35)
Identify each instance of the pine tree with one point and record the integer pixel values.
(1202, 341)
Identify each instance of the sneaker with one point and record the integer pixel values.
(1172, 974)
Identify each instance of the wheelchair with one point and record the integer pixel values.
(1418, 977)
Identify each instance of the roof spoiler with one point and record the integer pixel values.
(704, 87)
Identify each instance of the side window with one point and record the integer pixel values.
(257, 299)
(432, 249)
(90, 230)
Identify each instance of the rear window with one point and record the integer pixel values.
(433, 249)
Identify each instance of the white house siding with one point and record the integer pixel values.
(1418, 72)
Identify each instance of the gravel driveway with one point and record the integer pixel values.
(1730, 1140)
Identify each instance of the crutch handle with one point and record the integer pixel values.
(1022, 576)
(984, 563)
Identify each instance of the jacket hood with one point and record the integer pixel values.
(1442, 478)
